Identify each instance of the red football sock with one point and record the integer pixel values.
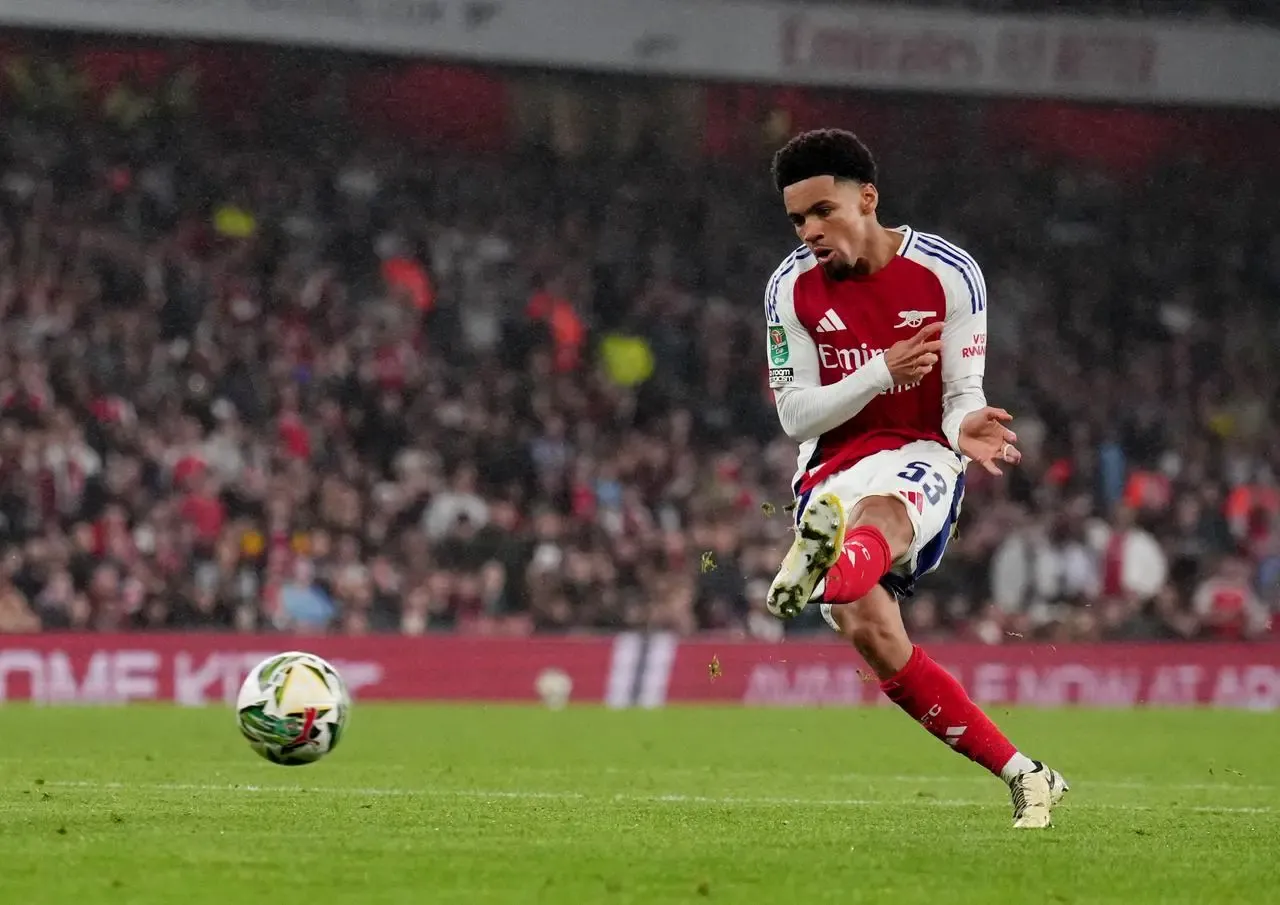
(934, 698)
(863, 562)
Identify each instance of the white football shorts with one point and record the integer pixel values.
(929, 478)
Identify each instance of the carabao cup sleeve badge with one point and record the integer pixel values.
(779, 351)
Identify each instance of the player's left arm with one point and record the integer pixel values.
(973, 428)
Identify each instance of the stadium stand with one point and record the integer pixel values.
(292, 374)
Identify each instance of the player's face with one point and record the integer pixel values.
(835, 218)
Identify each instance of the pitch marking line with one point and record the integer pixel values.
(530, 795)
(872, 778)
(1225, 785)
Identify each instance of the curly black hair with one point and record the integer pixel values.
(823, 152)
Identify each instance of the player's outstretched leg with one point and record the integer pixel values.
(877, 532)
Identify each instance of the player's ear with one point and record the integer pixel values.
(870, 199)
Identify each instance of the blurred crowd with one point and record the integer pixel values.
(309, 380)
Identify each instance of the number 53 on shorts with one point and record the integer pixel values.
(932, 484)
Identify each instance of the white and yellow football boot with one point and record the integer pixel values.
(1035, 794)
(819, 541)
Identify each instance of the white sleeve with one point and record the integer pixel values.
(806, 409)
(964, 348)
(808, 413)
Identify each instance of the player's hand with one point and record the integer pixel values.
(910, 360)
(985, 439)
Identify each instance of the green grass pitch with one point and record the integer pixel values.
(484, 805)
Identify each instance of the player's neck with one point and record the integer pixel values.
(881, 249)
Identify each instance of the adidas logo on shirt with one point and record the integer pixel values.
(831, 322)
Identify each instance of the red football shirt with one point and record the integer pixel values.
(822, 330)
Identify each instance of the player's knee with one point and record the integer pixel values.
(876, 642)
(870, 634)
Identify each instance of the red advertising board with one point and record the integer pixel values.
(632, 670)
(1033, 675)
(206, 668)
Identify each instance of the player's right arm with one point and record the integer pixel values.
(806, 408)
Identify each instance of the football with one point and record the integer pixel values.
(293, 708)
